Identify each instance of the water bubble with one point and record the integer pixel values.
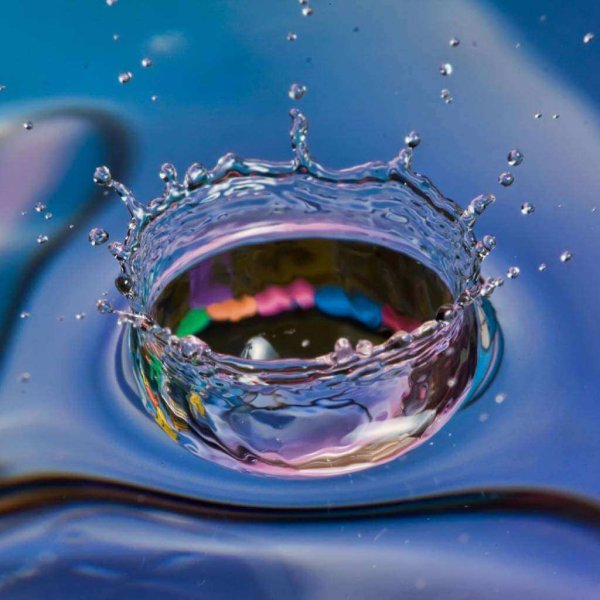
(505, 179)
(342, 351)
(446, 96)
(39, 207)
(454, 42)
(291, 37)
(500, 398)
(364, 348)
(146, 62)
(102, 176)
(542, 267)
(104, 306)
(412, 139)
(28, 125)
(513, 272)
(125, 77)
(537, 115)
(80, 316)
(297, 91)
(446, 69)
(42, 239)
(24, 377)
(515, 157)
(588, 37)
(25, 315)
(527, 208)
(48, 216)
(566, 256)
(97, 236)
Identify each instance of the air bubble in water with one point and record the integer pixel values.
(97, 236)
(513, 272)
(297, 91)
(446, 69)
(104, 306)
(28, 125)
(39, 207)
(42, 239)
(125, 77)
(446, 96)
(454, 42)
(291, 37)
(146, 62)
(527, 208)
(412, 139)
(588, 37)
(505, 179)
(566, 256)
(515, 157)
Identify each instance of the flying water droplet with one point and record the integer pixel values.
(513, 272)
(116, 37)
(153, 98)
(42, 239)
(297, 91)
(588, 37)
(412, 139)
(556, 116)
(168, 173)
(146, 62)
(39, 207)
(515, 157)
(542, 267)
(97, 236)
(104, 306)
(307, 11)
(291, 37)
(343, 351)
(25, 315)
(111, 2)
(527, 208)
(537, 115)
(566, 256)
(24, 377)
(48, 216)
(500, 398)
(446, 69)
(364, 348)
(28, 125)
(102, 176)
(454, 42)
(258, 348)
(80, 316)
(125, 77)
(446, 96)
(505, 179)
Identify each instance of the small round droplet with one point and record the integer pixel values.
(25, 315)
(513, 272)
(111, 2)
(588, 37)
(291, 37)
(297, 91)
(454, 42)
(168, 172)
(527, 208)
(505, 179)
(412, 139)
(153, 98)
(446, 96)
(364, 348)
(28, 125)
(515, 157)
(102, 176)
(566, 256)
(146, 62)
(104, 306)
(2, 88)
(116, 37)
(80, 316)
(307, 11)
(305, 343)
(446, 69)
(42, 239)
(123, 284)
(48, 216)
(24, 377)
(125, 77)
(483, 417)
(500, 398)
(97, 236)
(342, 350)
(537, 115)
(542, 267)
(39, 207)
(556, 116)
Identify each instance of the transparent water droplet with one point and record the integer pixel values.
(505, 179)
(305, 343)
(451, 382)
(259, 348)
(48, 216)
(291, 37)
(28, 125)
(342, 351)
(537, 115)
(542, 267)
(42, 239)
(196, 175)
(515, 157)
(446, 96)
(146, 62)
(123, 285)
(364, 348)
(116, 37)
(500, 398)
(80, 316)
(297, 91)
(168, 173)
(446, 69)
(39, 207)
(454, 42)
(24, 377)
(104, 306)
(102, 176)
(125, 77)
(412, 139)
(307, 11)
(97, 236)
(527, 208)
(25, 315)
(2, 88)
(153, 98)
(486, 245)
(111, 2)
(513, 272)
(192, 348)
(588, 37)
(483, 417)
(566, 256)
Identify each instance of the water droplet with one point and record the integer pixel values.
(48, 216)
(80, 316)
(291, 37)
(258, 348)
(116, 37)
(146, 62)
(515, 157)
(111, 2)
(454, 42)
(342, 351)
(537, 115)
(39, 207)
(102, 176)
(513, 272)
(446, 96)
(168, 173)
(297, 91)
(307, 11)
(24, 377)
(364, 348)
(305, 343)
(446, 69)
(97, 236)
(2, 88)
(588, 37)
(505, 179)
(104, 306)
(527, 208)
(125, 77)
(542, 267)
(483, 417)
(123, 284)
(28, 125)
(196, 175)
(153, 98)
(25, 315)
(556, 116)
(566, 256)
(192, 348)
(412, 139)
(500, 398)
(42, 239)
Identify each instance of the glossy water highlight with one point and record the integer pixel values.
(341, 411)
